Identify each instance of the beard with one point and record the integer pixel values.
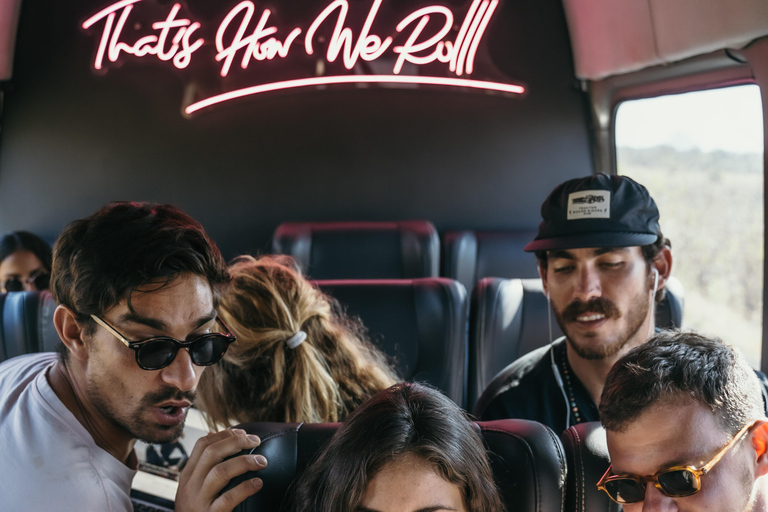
(591, 350)
(133, 422)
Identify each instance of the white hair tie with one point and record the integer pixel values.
(296, 340)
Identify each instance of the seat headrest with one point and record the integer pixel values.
(419, 323)
(361, 250)
(669, 311)
(469, 256)
(587, 456)
(527, 460)
(26, 323)
(508, 319)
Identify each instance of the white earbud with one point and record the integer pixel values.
(653, 301)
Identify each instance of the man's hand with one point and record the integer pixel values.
(207, 473)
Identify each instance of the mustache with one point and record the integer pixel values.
(157, 397)
(597, 305)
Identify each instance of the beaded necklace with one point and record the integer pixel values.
(569, 388)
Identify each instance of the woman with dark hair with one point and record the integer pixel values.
(408, 448)
(297, 357)
(25, 262)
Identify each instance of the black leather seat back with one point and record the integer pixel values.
(361, 250)
(469, 256)
(508, 319)
(26, 323)
(420, 323)
(587, 456)
(527, 459)
(669, 311)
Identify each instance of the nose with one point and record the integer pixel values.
(655, 501)
(181, 373)
(588, 284)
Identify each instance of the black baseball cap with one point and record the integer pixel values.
(597, 211)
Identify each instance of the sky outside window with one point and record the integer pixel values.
(700, 155)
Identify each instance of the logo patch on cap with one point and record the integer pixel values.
(589, 204)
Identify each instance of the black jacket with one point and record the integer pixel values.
(528, 389)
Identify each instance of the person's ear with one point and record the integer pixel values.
(663, 264)
(759, 439)
(71, 332)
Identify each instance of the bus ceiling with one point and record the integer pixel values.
(608, 38)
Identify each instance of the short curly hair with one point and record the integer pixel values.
(673, 365)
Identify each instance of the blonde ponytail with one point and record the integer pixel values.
(322, 379)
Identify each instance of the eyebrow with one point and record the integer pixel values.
(433, 508)
(160, 325)
(679, 461)
(568, 255)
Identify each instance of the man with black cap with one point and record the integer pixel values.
(603, 263)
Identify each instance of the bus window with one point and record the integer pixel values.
(700, 154)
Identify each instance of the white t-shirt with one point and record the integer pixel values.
(48, 460)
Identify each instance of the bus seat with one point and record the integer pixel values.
(587, 456)
(669, 311)
(469, 256)
(421, 324)
(26, 323)
(508, 319)
(361, 250)
(527, 460)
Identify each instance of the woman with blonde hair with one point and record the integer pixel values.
(297, 357)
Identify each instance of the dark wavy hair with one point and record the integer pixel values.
(25, 241)
(405, 419)
(677, 366)
(99, 260)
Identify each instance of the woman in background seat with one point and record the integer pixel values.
(25, 262)
(297, 358)
(407, 449)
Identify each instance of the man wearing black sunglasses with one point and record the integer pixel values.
(136, 287)
(686, 428)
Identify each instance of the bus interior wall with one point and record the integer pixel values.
(73, 139)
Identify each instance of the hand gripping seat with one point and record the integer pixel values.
(587, 457)
(526, 457)
(469, 256)
(361, 250)
(26, 323)
(421, 324)
(508, 319)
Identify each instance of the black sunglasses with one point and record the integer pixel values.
(675, 482)
(41, 280)
(158, 352)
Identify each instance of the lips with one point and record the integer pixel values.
(169, 406)
(171, 413)
(590, 317)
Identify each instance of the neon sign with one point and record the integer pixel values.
(427, 46)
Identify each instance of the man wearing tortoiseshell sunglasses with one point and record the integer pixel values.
(686, 428)
(136, 286)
